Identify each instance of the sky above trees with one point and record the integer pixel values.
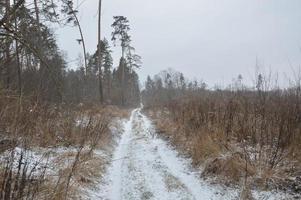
(212, 40)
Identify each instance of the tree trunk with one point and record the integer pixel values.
(109, 85)
(36, 8)
(18, 61)
(7, 47)
(100, 54)
(82, 37)
(123, 77)
(41, 68)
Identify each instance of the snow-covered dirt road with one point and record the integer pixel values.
(146, 167)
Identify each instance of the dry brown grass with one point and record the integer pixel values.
(231, 168)
(202, 148)
(222, 156)
(86, 173)
(80, 128)
(199, 145)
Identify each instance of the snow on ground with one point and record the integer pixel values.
(142, 166)
(146, 167)
(56, 158)
(38, 159)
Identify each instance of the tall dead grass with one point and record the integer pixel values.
(29, 125)
(240, 135)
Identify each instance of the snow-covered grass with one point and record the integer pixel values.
(225, 163)
(40, 158)
(145, 165)
(52, 152)
(54, 164)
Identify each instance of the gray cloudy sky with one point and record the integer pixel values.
(212, 40)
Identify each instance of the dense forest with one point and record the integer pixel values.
(45, 105)
(33, 66)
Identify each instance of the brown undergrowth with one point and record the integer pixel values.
(228, 157)
(48, 151)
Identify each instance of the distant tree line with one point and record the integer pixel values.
(168, 85)
(265, 117)
(32, 65)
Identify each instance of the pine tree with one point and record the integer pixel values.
(120, 32)
(107, 66)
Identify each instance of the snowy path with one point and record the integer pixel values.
(145, 167)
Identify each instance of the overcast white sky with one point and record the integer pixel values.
(212, 40)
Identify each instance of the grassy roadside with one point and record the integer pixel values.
(226, 160)
(50, 152)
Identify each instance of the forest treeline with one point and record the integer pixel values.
(32, 65)
(240, 133)
(45, 107)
